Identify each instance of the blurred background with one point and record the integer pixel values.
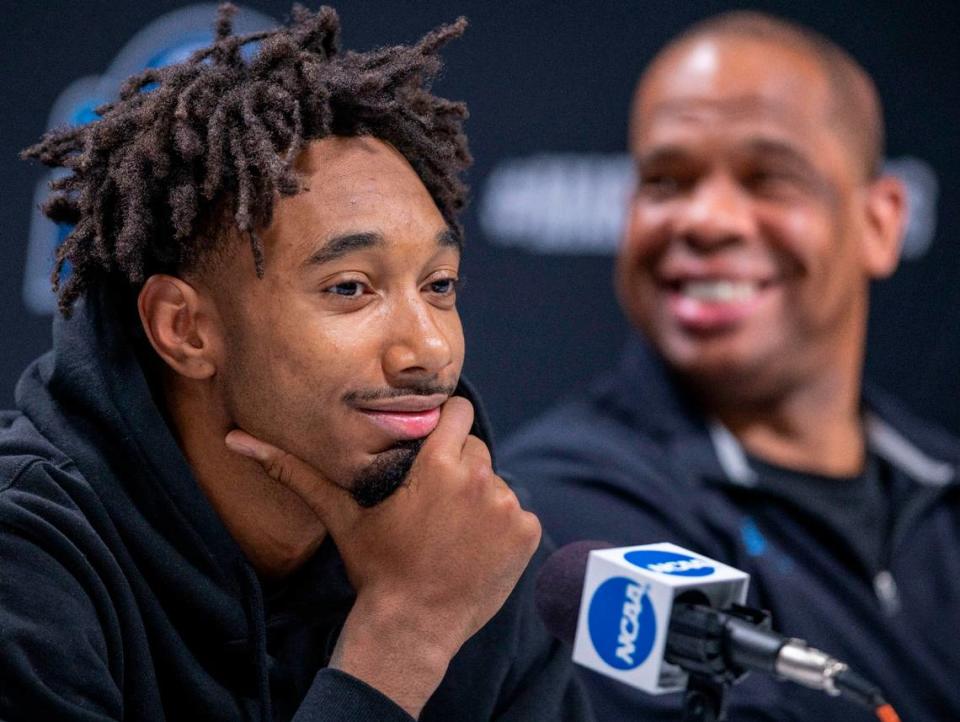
(548, 85)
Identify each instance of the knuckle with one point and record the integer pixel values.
(480, 470)
(274, 467)
(439, 463)
(279, 468)
(476, 447)
(479, 448)
(508, 501)
(535, 529)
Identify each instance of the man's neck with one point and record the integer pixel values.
(817, 427)
(273, 526)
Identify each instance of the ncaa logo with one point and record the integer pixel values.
(622, 623)
(681, 565)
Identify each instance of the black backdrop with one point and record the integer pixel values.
(548, 83)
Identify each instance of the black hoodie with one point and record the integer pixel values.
(123, 596)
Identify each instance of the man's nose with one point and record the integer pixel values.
(717, 212)
(417, 342)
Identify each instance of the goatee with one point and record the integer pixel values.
(387, 473)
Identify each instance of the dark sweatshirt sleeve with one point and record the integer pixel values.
(546, 689)
(53, 651)
(510, 671)
(336, 696)
(541, 684)
(513, 670)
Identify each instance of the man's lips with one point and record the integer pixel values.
(715, 304)
(406, 417)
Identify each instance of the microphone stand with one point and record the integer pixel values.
(697, 644)
(704, 700)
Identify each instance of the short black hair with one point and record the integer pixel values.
(187, 146)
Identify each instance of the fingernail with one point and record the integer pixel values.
(239, 447)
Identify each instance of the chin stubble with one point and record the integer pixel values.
(387, 473)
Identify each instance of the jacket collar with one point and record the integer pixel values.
(643, 390)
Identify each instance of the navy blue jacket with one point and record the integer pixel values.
(123, 596)
(635, 463)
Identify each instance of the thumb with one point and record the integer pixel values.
(332, 504)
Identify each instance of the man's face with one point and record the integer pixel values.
(343, 353)
(742, 261)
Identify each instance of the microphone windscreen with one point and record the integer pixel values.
(559, 587)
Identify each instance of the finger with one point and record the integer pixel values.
(501, 489)
(475, 448)
(535, 531)
(332, 505)
(456, 419)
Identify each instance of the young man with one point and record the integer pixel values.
(740, 429)
(248, 483)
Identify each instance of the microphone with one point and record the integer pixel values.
(663, 619)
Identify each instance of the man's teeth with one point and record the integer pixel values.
(719, 291)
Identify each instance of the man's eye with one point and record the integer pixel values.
(444, 286)
(347, 289)
(760, 178)
(660, 184)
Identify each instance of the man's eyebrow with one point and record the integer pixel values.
(661, 155)
(780, 150)
(341, 245)
(769, 147)
(447, 237)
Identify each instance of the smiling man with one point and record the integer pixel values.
(248, 481)
(737, 424)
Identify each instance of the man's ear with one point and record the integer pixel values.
(180, 324)
(886, 215)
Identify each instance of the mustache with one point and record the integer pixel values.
(425, 388)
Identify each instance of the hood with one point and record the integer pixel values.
(90, 397)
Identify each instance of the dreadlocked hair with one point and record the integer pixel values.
(189, 145)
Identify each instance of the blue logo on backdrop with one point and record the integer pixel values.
(681, 565)
(622, 623)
